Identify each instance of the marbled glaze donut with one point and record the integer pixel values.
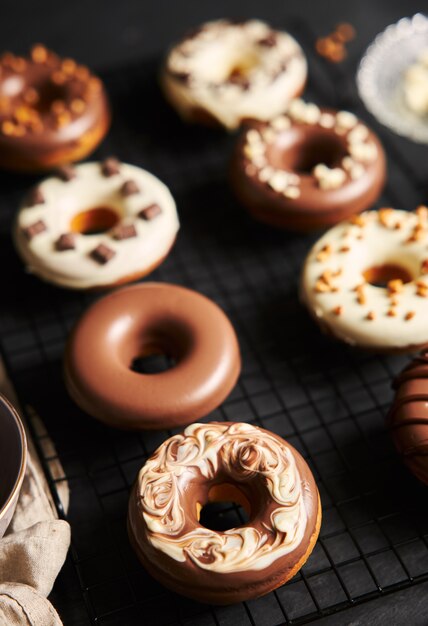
(139, 321)
(366, 280)
(52, 111)
(408, 417)
(226, 72)
(215, 462)
(308, 168)
(96, 225)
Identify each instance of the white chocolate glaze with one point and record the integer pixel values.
(335, 291)
(243, 452)
(90, 189)
(274, 73)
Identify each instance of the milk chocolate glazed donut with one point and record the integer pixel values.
(214, 462)
(143, 320)
(52, 111)
(408, 416)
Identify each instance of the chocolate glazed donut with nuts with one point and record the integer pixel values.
(52, 111)
(217, 462)
(308, 168)
(408, 417)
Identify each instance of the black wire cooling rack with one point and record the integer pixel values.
(328, 400)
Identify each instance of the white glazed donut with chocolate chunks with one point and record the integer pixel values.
(227, 72)
(366, 280)
(220, 462)
(96, 225)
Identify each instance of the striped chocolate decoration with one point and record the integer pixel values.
(408, 417)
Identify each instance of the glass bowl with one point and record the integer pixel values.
(381, 72)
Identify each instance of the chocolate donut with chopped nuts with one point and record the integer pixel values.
(52, 111)
(366, 280)
(308, 168)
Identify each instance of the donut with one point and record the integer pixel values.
(221, 462)
(408, 417)
(366, 280)
(308, 168)
(141, 321)
(96, 225)
(52, 111)
(224, 73)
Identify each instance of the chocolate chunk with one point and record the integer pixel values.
(129, 187)
(124, 231)
(67, 241)
(238, 79)
(102, 254)
(149, 212)
(182, 77)
(110, 167)
(269, 41)
(66, 172)
(35, 229)
(35, 197)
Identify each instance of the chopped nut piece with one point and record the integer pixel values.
(424, 267)
(392, 312)
(371, 315)
(344, 249)
(39, 54)
(422, 212)
(358, 220)
(409, 315)
(324, 253)
(384, 216)
(395, 286)
(322, 287)
(338, 310)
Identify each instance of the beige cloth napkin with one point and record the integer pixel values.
(33, 550)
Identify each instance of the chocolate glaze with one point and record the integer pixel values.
(13, 458)
(315, 207)
(52, 111)
(408, 417)
(138, 321)
(206, 585)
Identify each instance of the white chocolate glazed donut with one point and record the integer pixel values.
(234, 71)
(243, 562)
(389, 247)
(134, 209)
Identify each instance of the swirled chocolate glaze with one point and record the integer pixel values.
(249, 560)
(408, 417)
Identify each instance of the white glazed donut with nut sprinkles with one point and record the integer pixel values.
(222, 462)
(96, 225)
(226, 72)
(366, 280)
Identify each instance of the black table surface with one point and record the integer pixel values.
(105, 34)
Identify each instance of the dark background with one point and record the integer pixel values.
(108, 34)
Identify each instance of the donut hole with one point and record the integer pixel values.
(94, 221)
(241, 67)
(48, 93)
(153, 361)
(381, 275)
(227, 507)
(300, 150)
